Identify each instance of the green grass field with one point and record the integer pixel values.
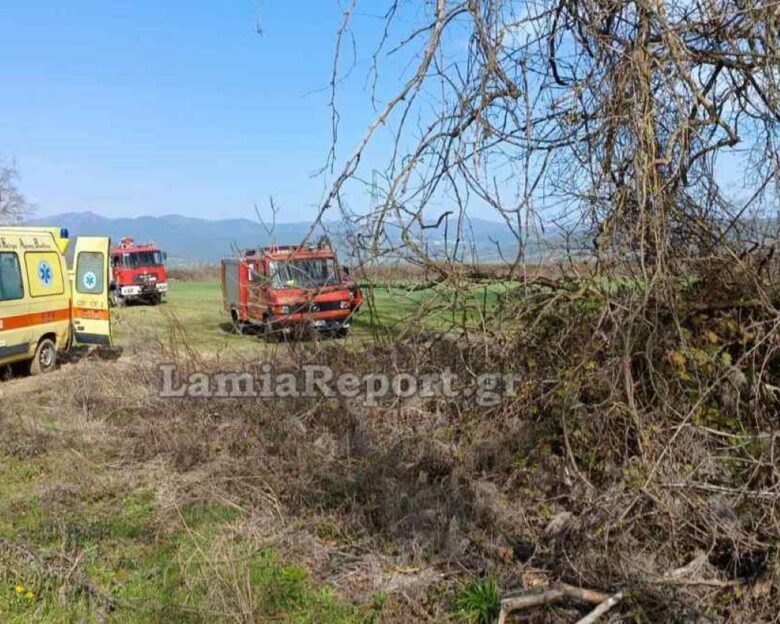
(94, 552)
(195, 308)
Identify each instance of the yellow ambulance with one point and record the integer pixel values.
(44, 308)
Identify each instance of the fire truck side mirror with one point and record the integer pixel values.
(165, 256)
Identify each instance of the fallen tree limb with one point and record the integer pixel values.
(528, 601)
(710, 487)
(605, 606)
(699, 581)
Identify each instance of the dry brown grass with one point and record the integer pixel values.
(194, 273)
(406, 272)
(610, 470)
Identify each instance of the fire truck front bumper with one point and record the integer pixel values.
(323, 321)
(316, 325)
(329, 324)
(141, 291)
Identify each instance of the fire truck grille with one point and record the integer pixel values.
(327, 306)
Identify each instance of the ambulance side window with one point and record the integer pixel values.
(89, 273)
(10, 277)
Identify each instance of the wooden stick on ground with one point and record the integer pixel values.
(601, 609)
(554, 594)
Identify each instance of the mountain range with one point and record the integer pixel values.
(189, 240)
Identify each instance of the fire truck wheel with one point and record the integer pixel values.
(45, 359)
(238, 324)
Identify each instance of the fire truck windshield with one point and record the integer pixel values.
(314, 273)
(140, 259)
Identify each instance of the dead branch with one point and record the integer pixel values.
(605, 606)
(529, 601)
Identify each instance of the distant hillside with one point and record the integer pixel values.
(186, 240)
(189, 240)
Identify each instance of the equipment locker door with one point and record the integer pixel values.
(91, 314)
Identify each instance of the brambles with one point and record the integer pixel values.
(651, 363)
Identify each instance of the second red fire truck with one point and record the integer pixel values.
(289, 287)
(138, 273)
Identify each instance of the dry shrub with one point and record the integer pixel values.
(194, 273)
(22, 439)
(629, 450)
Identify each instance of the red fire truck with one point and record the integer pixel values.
(138, 273)
(291, 287)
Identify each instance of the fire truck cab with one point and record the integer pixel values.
(46, 309)
(290, 287)
(138, 273)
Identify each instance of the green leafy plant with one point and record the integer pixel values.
(478, 602)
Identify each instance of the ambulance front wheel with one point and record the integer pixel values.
(45, 359)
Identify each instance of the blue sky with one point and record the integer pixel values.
(133, 107)
(140, 107)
